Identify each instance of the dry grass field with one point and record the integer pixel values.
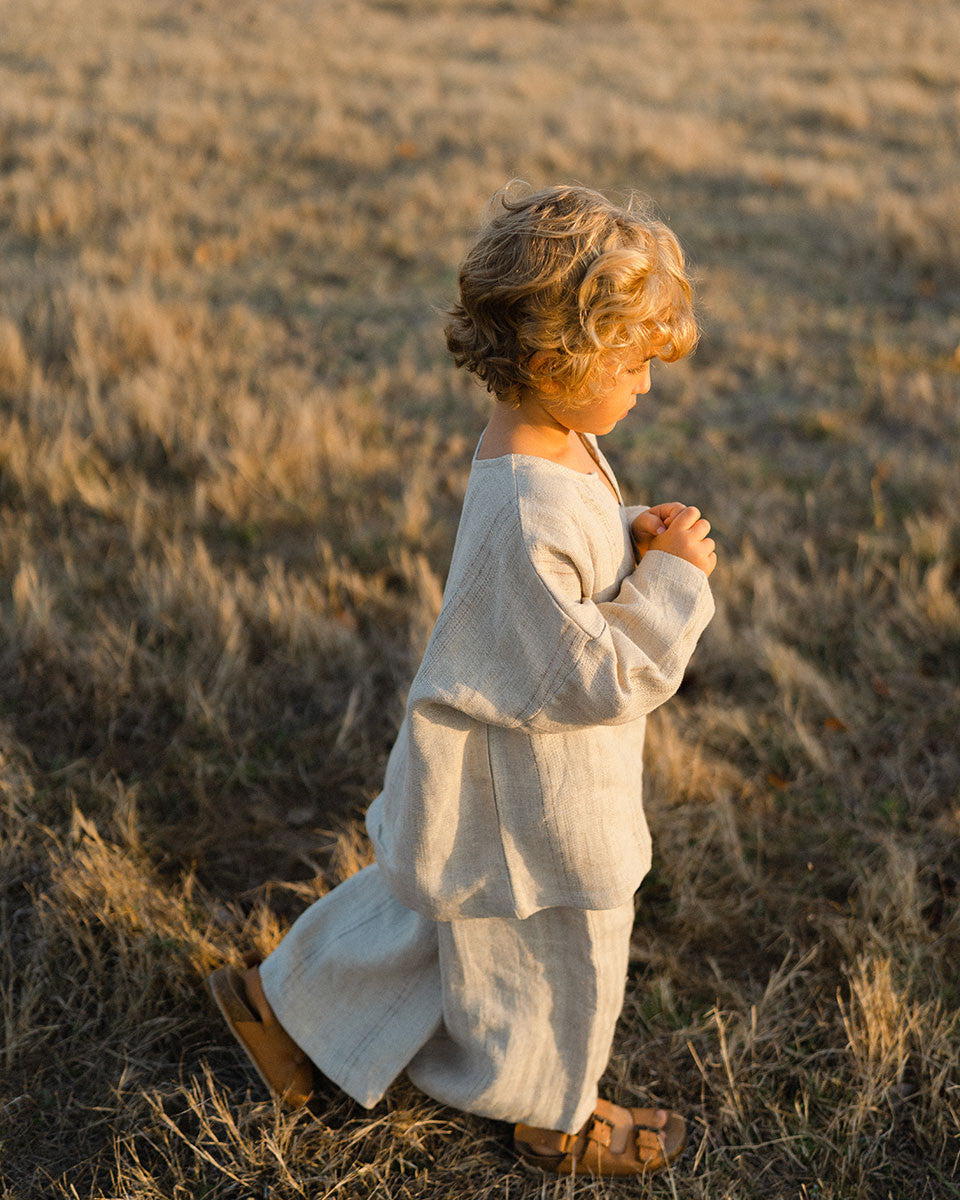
(232, 455)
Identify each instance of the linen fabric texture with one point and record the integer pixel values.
(506, 1019)
(515, 781)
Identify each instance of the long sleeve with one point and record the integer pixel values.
(521, 642)
(640, 643)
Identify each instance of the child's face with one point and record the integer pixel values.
(616, 398)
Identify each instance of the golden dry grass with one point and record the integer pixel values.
(232, 455)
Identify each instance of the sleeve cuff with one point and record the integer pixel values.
(669, 573)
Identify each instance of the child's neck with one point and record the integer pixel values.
(530, 429)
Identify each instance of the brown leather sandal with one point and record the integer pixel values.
(279, 1061)
(607, 1144)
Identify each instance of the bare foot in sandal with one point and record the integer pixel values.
(613, 1141)
(279, 1061)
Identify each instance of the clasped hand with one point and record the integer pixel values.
(678, 529)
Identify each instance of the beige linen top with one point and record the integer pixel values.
(515, 782)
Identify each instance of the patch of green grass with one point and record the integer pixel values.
(247, 534)
(893, 809)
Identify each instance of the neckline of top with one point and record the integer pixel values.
(594, 475)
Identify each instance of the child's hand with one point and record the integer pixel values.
(686, 536)
(655, 520)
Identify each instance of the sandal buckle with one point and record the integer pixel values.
(601, 1130)
(638, 1132)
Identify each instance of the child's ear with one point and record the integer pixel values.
(537, 362)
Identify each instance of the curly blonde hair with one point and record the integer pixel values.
(580, 282)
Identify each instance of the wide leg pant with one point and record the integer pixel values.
(504, 1018)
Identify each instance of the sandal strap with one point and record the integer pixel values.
(602, 1146)
(556, 1139)
(649, 1143)
(601, 1129)
(597, 1130)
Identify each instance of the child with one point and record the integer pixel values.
(485, 951)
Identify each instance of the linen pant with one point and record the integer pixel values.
(505, 1018)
